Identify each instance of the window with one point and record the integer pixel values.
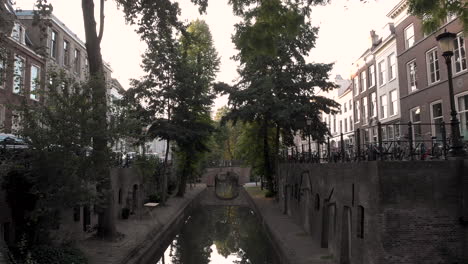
(363, 81)
(53, 44)
(334, 123)
(415, 115)
(433, 66)
(77, 62)
(66, 53)
(35, 78)
(350, 104)
(391, 67)
(15, 122)
(390, 132)
(341, 126)
(364, 108)
(351, 123)
(345, 108)
(2, 73)
(18, 33)
(360, 225)
(373, 106)
(2, 116)
(371, 76)
(345, 125)
(437, 118)
(393, 103)
(462, 105)
(412, 76)
(459, 54)
(383, 106)
(382, 72)
(18, 78)
(409, 36)
(356, 85)
(357, 109)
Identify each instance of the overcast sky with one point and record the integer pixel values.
(343, 37)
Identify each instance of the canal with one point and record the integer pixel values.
(220, 235)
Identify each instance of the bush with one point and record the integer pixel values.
(269, 194)
(58, 255)
(125, 213)
(154, 198)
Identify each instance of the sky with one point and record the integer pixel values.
(344, 34)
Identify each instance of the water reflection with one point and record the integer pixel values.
(220, 234)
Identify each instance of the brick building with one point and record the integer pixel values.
(423, 75)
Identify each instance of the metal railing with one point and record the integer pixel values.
(406, 143)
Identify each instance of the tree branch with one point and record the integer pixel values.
(101, 23)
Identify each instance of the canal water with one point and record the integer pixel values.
(220, 235)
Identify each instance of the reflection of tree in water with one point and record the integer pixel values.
(234, 230)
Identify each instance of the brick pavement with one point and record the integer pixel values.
(293, 244)
(137, 230)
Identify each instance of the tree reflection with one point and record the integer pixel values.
(233, 230)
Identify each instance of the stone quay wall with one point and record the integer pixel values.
(381, 212)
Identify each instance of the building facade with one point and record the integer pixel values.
(423, 75)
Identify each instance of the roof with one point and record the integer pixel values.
(343, 84)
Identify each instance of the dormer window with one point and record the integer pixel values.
(18, 33)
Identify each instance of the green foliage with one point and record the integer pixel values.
(57, 255)
(269, 194)
(434, 13)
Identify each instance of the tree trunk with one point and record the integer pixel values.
(164, 175)
(106, 223)
(277, 144)
(266, 156)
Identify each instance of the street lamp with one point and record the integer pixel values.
(309, 124)
(446, 41)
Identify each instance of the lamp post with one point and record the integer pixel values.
(446, 41)
(309, 124)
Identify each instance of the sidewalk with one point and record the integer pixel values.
(138, 231)
(293, 244)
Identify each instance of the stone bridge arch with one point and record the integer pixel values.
(227, 185)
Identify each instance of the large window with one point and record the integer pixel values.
(415, 115)
(393, 103)
(373, 106)
(77, 62)
(433, 66)
(356, 85)
(391, 67)
(382, 69)
(412, 76)
(363, 81)
(364, 108)
(345, 108)
(409, 36)
(18, 78)
(357, 109)
(35, 78)
(462, 104)
(2, 73)
(459, 54)
(383, 106)
(18, 33)
(345, 125)
(371, 75)
(66, 53)
(2, 117)
(437, 118)
(53, 44)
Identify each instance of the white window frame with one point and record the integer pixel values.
(365, 108)
(459, 54)
(392, 70)
(356, 85)
(34, 85)
(409, 39)
(53, 49)
(415, 123)
(433, 132)
(66, 52)
(393, 104)
(382, 72)
(371, 71)
(408, 73)
(363, 80)
(457, 107)
(374, 104)
(357, 108)
(383, 107)
(3, 68)
(436, 66)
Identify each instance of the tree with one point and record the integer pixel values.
(434, 13)
(277, 87)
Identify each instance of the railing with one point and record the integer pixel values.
(405, 143)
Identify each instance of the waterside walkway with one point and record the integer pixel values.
(293, 244)
(139, 232)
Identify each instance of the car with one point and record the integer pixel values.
(10, 141)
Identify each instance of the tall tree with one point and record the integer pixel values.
(434, 13)
(277, 87)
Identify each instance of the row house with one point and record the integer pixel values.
(423, 75)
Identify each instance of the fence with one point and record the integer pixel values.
(381, 142)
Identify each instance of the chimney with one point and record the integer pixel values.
(374, 38)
